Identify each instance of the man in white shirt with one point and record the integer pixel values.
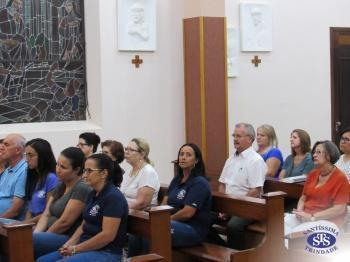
(244, 175)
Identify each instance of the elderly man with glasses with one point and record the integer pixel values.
(244, 175)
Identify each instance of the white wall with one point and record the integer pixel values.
(147, 102)
(126, 102)
(291, 87)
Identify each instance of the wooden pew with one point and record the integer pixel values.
(147, 258)
(269, 209)
(293, 190)
(154, 225)
(16, 241)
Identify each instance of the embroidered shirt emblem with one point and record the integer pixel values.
(181, 194)
(94, 210)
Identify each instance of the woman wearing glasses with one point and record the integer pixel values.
(325, 194)
(141, 183)
(41, 178)
(344, 144)
(62, 214)
(102, 233)
(88, 143)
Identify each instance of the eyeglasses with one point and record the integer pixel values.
(317, 152)
(238, 136)
(82, 144)
(90, 170)
(131, 149)
(345, 139)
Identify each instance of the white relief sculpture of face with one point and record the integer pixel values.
(256, 15)
(137, 14)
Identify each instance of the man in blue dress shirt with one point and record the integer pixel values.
(13, 180)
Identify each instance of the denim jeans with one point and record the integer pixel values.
(46, 242)
(93, 256)
(182, 235)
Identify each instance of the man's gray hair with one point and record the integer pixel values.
(19, 140)
(249, 129)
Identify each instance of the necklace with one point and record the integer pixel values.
(327, 173)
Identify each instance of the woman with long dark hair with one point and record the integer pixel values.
(102, 233)
(41, 176)
(189, 194)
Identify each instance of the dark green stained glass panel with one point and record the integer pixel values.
(42, 61)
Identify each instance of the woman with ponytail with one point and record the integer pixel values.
(141, 183)
(102, 233)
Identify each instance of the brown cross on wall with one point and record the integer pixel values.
(256, 61)
(137, 61)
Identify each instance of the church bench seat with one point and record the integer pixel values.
(147, 258)
(153, 224)
(268, 210)
(16, 235)
(205, 252)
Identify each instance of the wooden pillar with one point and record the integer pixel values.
(206, 88)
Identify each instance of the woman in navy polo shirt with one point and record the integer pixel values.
(190, 195)
(103, 231)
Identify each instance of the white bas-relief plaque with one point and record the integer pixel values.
(137, 25)
(232, 52)
(256, 27)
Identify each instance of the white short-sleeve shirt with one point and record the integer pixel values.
(147, 176)
(343, 165)
(243, 172)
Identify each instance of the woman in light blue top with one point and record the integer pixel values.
(41, 178)
(300, 161)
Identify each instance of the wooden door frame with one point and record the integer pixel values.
(334, 97)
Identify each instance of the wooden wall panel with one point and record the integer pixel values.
(192, 80)
(206, 88)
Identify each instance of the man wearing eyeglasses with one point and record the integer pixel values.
(13, 180)
(243, 174)
(344, 145)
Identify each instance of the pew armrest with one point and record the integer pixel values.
(146, 258)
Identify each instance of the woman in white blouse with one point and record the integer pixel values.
(344, 144)
(141, 183)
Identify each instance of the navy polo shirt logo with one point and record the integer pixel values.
(94, 210)
(181, 194)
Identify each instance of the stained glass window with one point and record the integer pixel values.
(42, 61)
